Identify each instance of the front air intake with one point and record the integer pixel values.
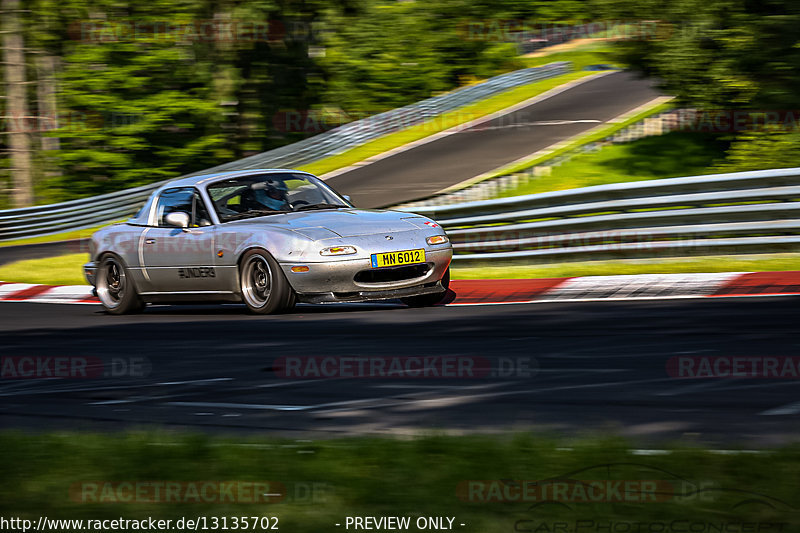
(387, 275)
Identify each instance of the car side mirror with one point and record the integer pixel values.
(179, 219)
(347, 197)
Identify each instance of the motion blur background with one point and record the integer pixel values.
(103, 95)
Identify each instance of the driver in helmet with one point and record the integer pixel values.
(271, 194)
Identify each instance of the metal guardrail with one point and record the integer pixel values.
(73, 215)
(98, 210)
(700, 215)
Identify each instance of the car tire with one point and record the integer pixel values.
(115, 287)
(427, 300)
(265, 289)
(291, 302)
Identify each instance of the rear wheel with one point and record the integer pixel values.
(115, 287)
(427, 300)
(265, 289)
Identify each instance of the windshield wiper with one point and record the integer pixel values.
(253, 213)
(322, 205)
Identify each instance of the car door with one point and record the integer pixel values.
(180, 259)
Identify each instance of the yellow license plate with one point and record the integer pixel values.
(405, 257)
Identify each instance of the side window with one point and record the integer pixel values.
(185, 199)
(227, 199)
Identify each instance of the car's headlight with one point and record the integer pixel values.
(338, 250)
(437, 239)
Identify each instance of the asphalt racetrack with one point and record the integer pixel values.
(451, 159)
(563, 368)
(9, 254)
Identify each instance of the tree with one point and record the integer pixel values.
(719, 53)
(393, 53)
(16, 108)
(761, 149)
(729, 55)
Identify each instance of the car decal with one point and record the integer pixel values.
(196, 272)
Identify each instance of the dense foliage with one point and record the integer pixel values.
(142, 91)
(725, 56)
(148, 90)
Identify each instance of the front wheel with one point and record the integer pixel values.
(115, 287)
(265, 289)
(427, 300)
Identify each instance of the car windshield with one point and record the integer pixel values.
(269, 194)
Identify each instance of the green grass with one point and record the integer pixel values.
(581, 57)
(397, 477)
(671, 155)
(675, 265)
(441, 123)
(60, 270)
(67, 269)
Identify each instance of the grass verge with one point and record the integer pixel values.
(670, 155)
(67, 269)
(326, 481)
(59, 270)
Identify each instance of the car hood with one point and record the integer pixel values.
(330, 223)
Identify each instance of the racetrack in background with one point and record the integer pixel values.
(430, 167)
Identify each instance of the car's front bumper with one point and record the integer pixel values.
(369, 296)
(334, 281)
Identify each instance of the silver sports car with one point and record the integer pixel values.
(268, 238)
